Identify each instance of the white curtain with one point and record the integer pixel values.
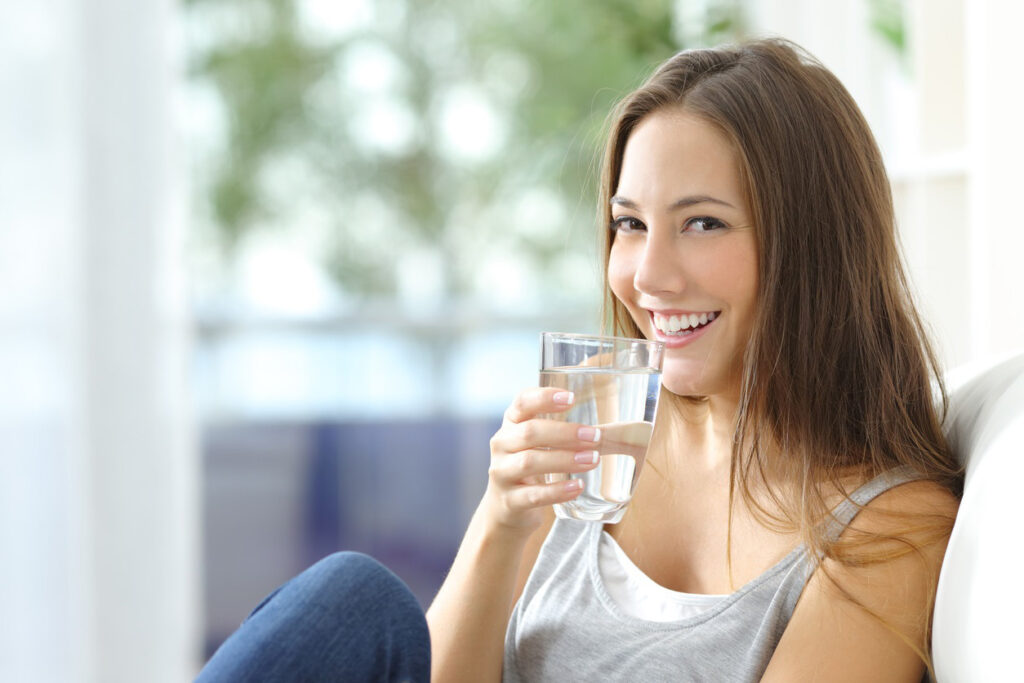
(98, 473)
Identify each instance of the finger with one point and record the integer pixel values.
(517, 467)
(538, 400)
(539, 495)
(627, 438)
(549, 434)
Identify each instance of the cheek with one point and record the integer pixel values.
(742, 292)
(746, 283)
(732, 272)
(620, 275)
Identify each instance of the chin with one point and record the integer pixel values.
(697, 382)
(701, 377)
(681, 386)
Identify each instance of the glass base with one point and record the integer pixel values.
(570, 511)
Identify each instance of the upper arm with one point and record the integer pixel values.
(531, 551)
(848, 621)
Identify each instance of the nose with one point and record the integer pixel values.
(659, 270)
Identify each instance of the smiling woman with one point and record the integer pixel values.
(683, 250)
(830, 365)
(798, 493)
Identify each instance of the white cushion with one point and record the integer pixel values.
(977, 633)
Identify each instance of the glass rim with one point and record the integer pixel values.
(600, 338)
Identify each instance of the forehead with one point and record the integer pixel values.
(673, 153)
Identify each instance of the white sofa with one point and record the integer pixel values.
(978, 629)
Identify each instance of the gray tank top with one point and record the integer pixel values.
(566, 627)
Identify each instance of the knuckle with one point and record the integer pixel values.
(515, 411)
(498, 472)
(528, 431)
(526, 462)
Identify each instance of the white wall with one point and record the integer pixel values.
(995, 135)
(98, 494)
(949, 123)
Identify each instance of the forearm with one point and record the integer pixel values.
(470, 614)
(468, 618)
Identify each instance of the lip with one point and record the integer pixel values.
(675, 342)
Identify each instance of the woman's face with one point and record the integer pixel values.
(684, 257)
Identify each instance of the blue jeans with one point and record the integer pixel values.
(346, 618)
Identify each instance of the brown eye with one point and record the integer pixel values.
(703, 224)
(627, 224)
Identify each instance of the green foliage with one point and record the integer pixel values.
(888, 21)
(550, 71)
(262, 82)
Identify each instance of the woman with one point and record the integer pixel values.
(798, 493)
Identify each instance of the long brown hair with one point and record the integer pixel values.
(838, 373)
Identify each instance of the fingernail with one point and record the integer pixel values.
(574, 485)
(589, 434)
(563, 398)
(586, 457)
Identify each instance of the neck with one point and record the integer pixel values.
(695, 435)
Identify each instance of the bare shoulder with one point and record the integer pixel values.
(893, 549)
(865, 613)
(915, 498)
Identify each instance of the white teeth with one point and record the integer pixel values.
(682, 323)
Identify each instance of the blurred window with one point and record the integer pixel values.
(390, 201)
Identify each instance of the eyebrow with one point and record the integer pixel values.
(677, 204)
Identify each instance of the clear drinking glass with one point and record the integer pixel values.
(616, 382)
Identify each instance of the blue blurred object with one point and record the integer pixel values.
(281, 495)
(346, 618)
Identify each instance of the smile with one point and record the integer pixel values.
(682, 324)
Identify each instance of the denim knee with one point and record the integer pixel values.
(349, 576)
(347, 617)
(383, 614)
(351, 566)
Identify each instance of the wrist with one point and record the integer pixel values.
(494, 528)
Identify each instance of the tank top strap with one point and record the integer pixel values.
(844, 513)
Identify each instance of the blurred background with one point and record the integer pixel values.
(271, 270)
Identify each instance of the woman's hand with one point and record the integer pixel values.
(470, 613)
(525, 449)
